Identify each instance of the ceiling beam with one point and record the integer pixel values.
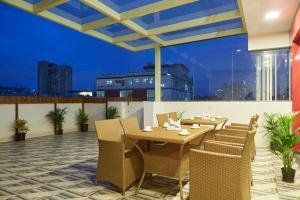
(196, 22)
(240, 6)
(21, 4)
(193, 23)
(153, 7)
(129, 37)
(103, 8)
(219, 34)
(97, 24)
(47, 4)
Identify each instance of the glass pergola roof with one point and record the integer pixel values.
(143, 24)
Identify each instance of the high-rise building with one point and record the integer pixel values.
(175, 83)
(54, 80)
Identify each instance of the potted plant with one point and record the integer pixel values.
(271, 123)
(82, 119)
(112, 112)
(21, 126)
(57, 118)
(283, 140)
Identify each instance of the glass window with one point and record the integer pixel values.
(224, 70)
(125, 93)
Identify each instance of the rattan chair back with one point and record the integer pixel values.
(109, 130)
(162, 118)
(173, 115)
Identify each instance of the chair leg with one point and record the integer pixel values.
(180, 188)
(140, 184)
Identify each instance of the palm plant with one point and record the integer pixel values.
(57, 118)
(82, 119)
(280, 130)
(112, 112)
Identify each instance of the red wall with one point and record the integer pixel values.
(295, 37)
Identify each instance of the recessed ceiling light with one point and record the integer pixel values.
(272, 15)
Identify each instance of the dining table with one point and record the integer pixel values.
(162, 134)
(214, 122)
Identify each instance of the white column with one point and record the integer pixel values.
(157, 74)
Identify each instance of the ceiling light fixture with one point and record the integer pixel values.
(272, 15)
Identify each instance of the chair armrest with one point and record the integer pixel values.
(237, 127)
(232, 139)
(222, 148)
(233, 132)
(239, 124)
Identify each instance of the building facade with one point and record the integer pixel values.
(54, 80)
(175, 83)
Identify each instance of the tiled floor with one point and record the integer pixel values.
(63, 167)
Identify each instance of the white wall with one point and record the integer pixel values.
(7, 116)
(130, 109)
(269, 41)
(39, 125)
(35, 114)
(70, 118)
(236, 111)
(95, 112)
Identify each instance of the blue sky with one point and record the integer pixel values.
(25, 39)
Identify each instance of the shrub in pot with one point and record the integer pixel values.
(82, 119)
(283, 139)
(112, 112)
(57, 118)
(21, 127)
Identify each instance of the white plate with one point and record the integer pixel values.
(147, 130)
(194, 127)
(184, 134)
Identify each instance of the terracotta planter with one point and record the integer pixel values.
(20, 136)
(288, 175)
(84, 127)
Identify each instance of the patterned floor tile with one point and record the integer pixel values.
(63, 167)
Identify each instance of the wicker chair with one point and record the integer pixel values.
(253, 120)
(233, 135)
(116, 165)
(221, 172)
(162, 118)
(173, 116)
(167, 161)
(132, 125)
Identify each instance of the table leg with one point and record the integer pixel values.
(180, 165)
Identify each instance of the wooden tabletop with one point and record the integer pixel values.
(163, 135)
(198, 120)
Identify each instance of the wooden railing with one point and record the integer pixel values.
(55, 100)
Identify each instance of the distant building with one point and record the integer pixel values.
(235, 91)
(16, 91)
(82, 93)
(54, 80)
(175, 83)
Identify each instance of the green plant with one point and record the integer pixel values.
(57, 117)
(279, 128)
(21, 125)
(82, 117)
(112, 112)
(179, 115)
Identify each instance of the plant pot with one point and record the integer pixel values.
(20, 136)
(59, 132)
(84, 127)
(288, 175)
